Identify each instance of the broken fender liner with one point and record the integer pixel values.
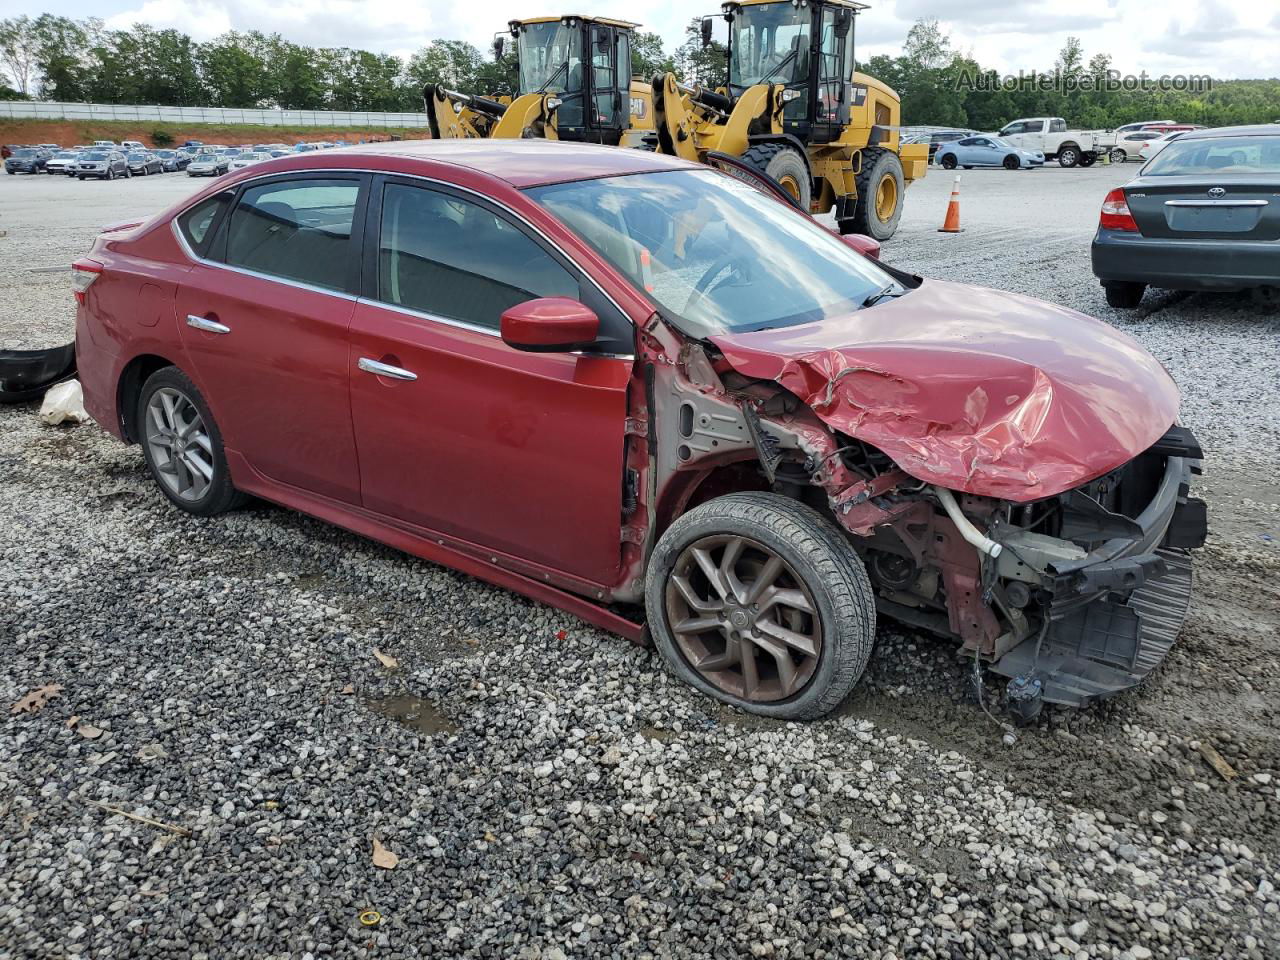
(26, 374)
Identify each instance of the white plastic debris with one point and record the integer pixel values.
(64, 403)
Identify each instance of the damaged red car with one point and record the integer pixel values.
(653, 395)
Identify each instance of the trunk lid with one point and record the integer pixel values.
(1230, 207)
(977, 390)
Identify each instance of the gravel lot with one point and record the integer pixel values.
(548, 790)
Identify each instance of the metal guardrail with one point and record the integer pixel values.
(41, 110)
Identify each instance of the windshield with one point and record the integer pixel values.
(137, 157)
(67, 155)
(550, 57)
(715, 253)
(96, 156)
(769, 43)
(24, 153)
(1216, 156)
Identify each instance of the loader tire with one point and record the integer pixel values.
(785, 165)
(881, 188)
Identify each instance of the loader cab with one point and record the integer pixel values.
(586, 62)
(808, 47)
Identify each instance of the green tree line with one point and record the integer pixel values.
(57, 58)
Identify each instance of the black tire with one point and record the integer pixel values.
(219, 496)
(948, 161)
(1125, 296)
(81, 179)
(822, 560)
(1088, 158)
(111, 174)
(1011, 162)
(877, 165)
(785, 165)
(128, 174)
(1068, 155)
(968, 166)
(1118, 156)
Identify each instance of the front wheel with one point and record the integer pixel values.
(757, 600)
(787, 168)
(111, 174)
(183, 446)
(881, 187)
(1011, 162)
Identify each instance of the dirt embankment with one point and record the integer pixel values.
(70, 132)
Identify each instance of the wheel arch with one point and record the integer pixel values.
(129, 389)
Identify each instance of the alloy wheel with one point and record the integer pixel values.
(179, 443)
(743, 619)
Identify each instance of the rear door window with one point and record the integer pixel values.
(297, 230)
(448, 257)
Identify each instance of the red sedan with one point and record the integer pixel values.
(655, 396)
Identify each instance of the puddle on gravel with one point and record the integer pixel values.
(419, 715)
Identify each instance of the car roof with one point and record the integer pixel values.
(1252, 130)
(522, 163)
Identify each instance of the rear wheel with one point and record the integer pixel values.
(1011, 162)
(785, 165)
(948, 161)
(1126, 296)
(759, 601)
(183, 446)
(1118, 156)
(1068, 155)
(880, 190)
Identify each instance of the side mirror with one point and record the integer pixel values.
(706, 31)
(867, 246)
(499, 44)
(549, 325)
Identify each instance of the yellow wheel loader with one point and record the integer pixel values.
(795, 108)
(574, 84)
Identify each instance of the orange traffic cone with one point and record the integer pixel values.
(952, 223)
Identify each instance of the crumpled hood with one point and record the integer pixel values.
(973, 389)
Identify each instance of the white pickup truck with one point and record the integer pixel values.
(1051, 137)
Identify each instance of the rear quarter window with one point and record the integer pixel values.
(196, 223)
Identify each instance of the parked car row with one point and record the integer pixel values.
(107, 160)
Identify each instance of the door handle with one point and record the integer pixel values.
(208, 326)
(385, 369)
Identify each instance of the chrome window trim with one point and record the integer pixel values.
(389, 173)
(191, 254)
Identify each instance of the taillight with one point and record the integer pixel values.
(83, 273)
(1115, 213)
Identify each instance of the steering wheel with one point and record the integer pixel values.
(703, 286)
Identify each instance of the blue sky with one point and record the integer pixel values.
(1173, 36)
